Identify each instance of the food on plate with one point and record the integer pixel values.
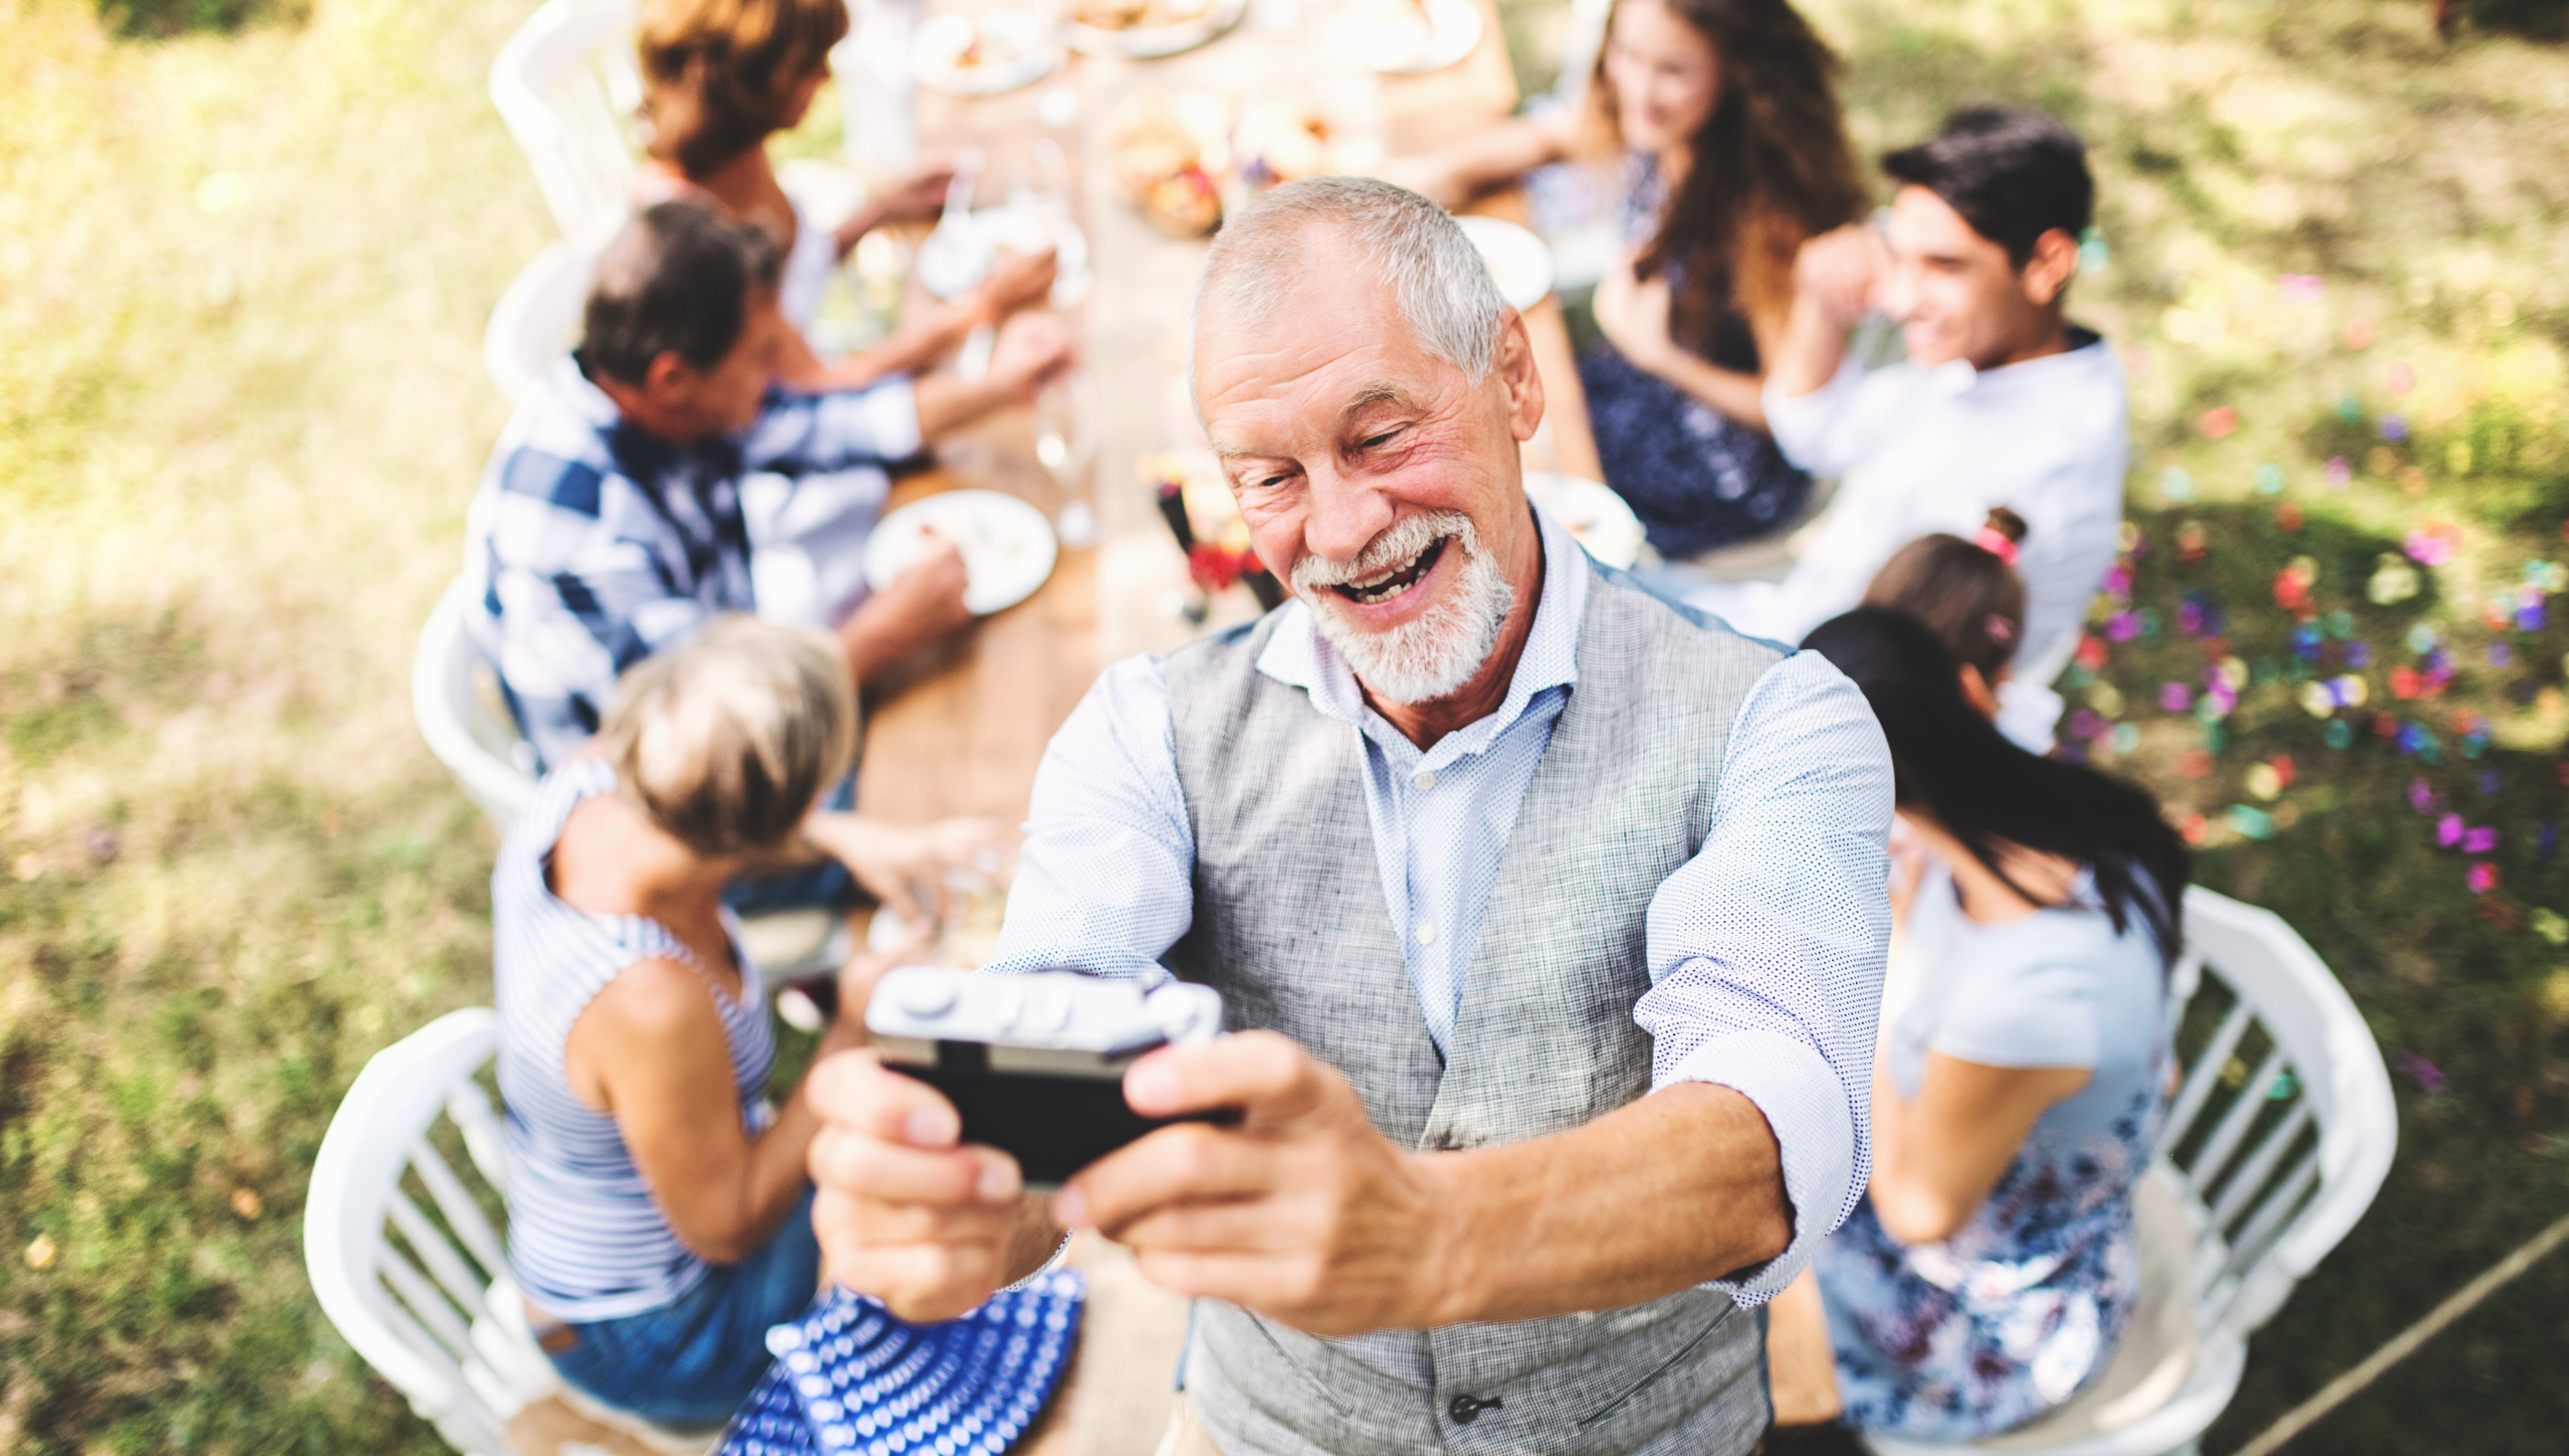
(1166, 152)
(1280, 140)
(1137, 14)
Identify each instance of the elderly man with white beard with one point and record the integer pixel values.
(1550, 918)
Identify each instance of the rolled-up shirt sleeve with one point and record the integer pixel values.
(1105, 882)
(1766, 948)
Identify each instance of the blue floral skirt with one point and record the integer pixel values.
(1697, 478)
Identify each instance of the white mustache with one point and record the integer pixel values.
(1399, 546)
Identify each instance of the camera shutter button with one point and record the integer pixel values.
(927, 997)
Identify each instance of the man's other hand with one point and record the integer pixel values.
(1015, 280)
(1031, 350)
(921, 605)
(906, 1211)
(1302, 1212)
(1840, 270)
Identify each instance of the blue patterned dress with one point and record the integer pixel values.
(1697, 478)
(2014, 1312)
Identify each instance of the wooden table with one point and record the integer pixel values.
(963, 732)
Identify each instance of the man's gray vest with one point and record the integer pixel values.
(1290, 925)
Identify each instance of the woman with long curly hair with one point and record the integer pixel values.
(1723, 118)
(722, 75)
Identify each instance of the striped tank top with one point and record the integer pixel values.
(584, 1238)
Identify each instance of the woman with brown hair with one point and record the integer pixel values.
(720, 78)
(1724, 115)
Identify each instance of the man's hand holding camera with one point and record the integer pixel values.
(1302, 1212)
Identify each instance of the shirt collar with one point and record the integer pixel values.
(1299, 656)
(1956, 377)
(642, 455)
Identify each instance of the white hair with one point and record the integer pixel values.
(1435, 274)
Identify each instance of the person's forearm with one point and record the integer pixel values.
(868, 216)
(1813, 347)
(1685, 1185)
(1727, 390)
(871, 641)
(1498, 155)
(945, 402)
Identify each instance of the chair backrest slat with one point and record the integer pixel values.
(456, 1202)
(2207, 1071)
(470, 1109)
(2266, 1223)
(438, 1255)
(2234, 1125)
(2259, 1166)
(424, 1301)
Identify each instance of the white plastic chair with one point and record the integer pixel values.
(538, 319)
(2257, 1177)
(568, 84)
(439, 1318)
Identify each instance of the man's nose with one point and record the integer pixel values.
(1344, 514)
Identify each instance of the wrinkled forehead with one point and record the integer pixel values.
(1313, 334)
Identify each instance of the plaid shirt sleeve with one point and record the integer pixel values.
(799, 433)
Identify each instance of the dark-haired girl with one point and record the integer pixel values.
(1992, 1266)
(1969, 594)
(1723, 118)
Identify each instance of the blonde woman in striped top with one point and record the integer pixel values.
(659, 1212)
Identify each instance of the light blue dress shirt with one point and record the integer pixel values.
(1765, 949)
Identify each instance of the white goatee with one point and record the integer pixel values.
(1434, 653)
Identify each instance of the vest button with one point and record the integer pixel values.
(1466, 1409)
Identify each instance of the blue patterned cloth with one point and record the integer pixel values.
(851, 1380)
(1697, 479)
(1765, 949)
(592, 544)
(2018, 1308)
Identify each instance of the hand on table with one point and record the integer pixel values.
(1031, 351)
(905, 1212)
(1303, 1213)
(921, 605)
(1840, 270)
(1634, 315)
(1015, 280)
(906, 866)
(918, 197)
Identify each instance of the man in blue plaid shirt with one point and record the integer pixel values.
(609, 523)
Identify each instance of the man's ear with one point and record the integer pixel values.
(2048, 271)
(668, 375)
(1516, 369)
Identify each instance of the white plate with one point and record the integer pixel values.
(992, 229)
(1151, 42)
(1008, 544)
(1020, 45)
(1518, 260)
(1596, 518)
(1453, 29)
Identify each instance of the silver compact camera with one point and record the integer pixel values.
(1036, 1064)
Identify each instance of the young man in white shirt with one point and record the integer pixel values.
(2002, 401)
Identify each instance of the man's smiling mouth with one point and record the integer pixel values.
(1394, 583)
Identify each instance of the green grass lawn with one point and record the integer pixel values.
(243, 276)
